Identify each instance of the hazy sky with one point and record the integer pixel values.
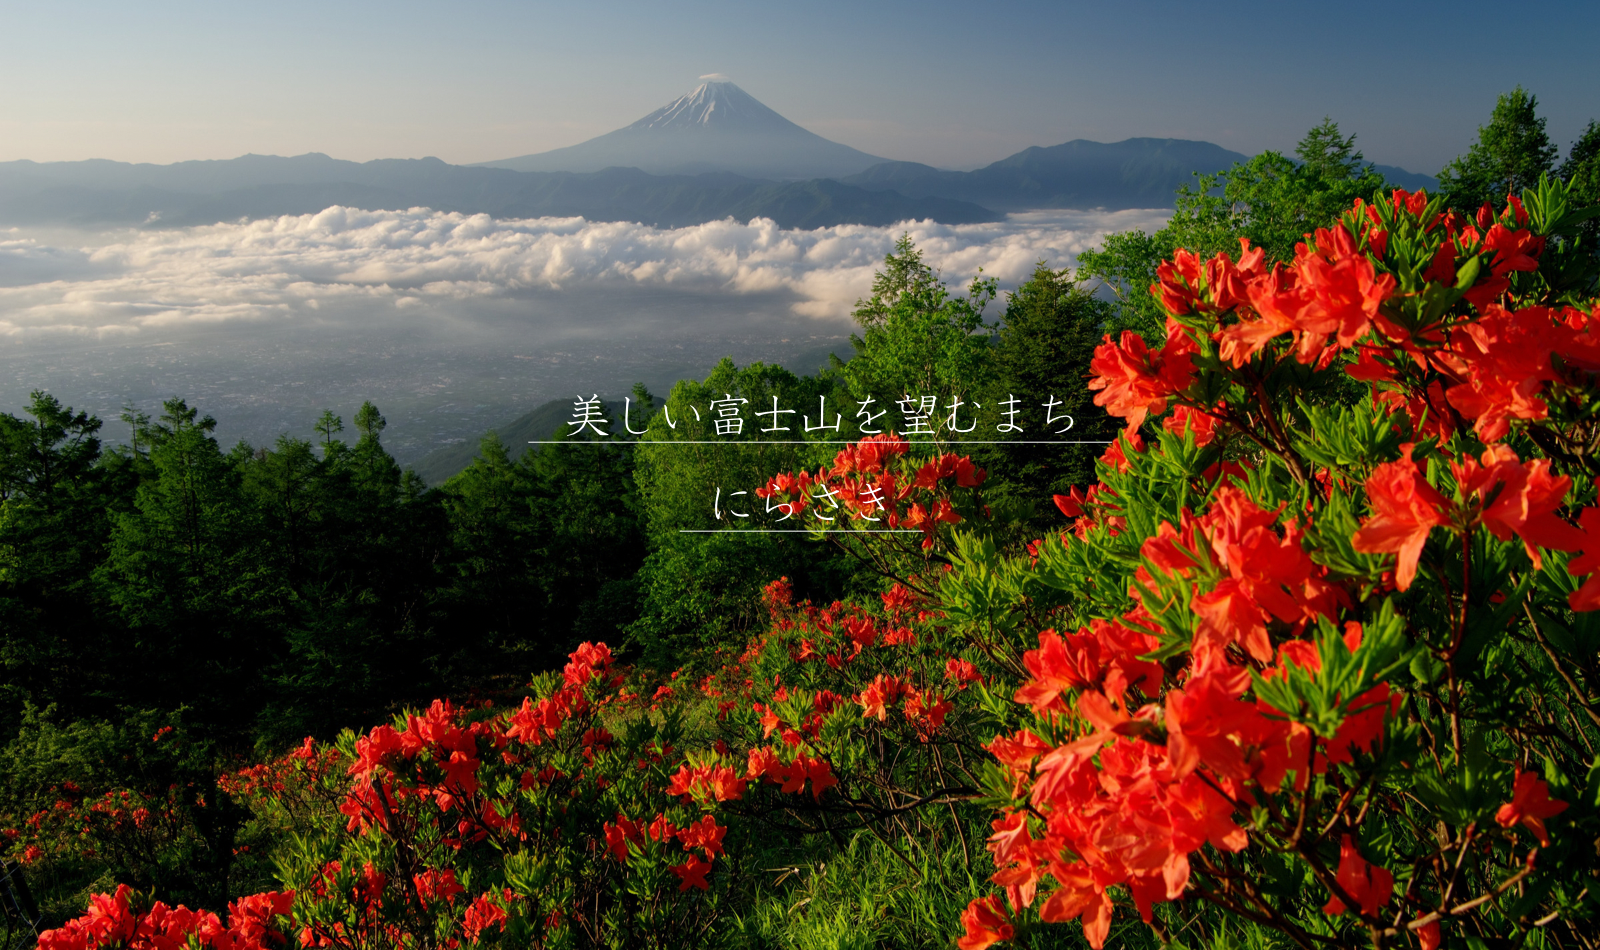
(951, 84)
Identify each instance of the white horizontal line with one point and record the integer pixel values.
(820, 442)
(792, 531)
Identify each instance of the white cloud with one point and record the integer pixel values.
(288, 269)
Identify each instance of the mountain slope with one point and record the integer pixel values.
(1134, 173)
(717, 127)
(1410, 181)
(542, 423)
(99, 193)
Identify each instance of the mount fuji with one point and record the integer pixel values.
(716, 128)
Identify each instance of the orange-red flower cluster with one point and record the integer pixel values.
(1498, 492)
(1133, 381)
(765, 763)
(1504, 363)
(707, 783)
(704, 836)
(110, 923)
(875, 484)
(1245, 575)
(1127, 801)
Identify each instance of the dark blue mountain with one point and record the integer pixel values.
(102, 193)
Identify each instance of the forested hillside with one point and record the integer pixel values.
(1289, 639)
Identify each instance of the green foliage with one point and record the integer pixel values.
(52, 533)
(697, 588)
(167, 829)
(1569, 267)
(270, 593)
(691, 448)
(861, 896)
(1047, 337)
(546, 547)
(918, 339)
(1511, 153)
(1582, 171)
(1125, 263)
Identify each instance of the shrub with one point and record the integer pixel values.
(1324, 668)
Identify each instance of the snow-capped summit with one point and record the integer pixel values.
(716, 127)
(720, 106)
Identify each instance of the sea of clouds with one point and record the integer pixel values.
(451, 323)
(399, 267)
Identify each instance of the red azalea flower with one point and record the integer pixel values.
(1368, 885)
(1405, 509)
(1530, 805)
(985, 924)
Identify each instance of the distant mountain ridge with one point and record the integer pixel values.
(103, 193)
(1133, 173)
(1410, 181)
(715, 127)
(715, 153)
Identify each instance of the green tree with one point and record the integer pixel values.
(137, 421)
(592, 541)
(328, 426)
(369, 421)
(44, 457)
(1582, 169)
(1511, 153)
(285, 483)
(191, 580)
(377, 474)
(369, 623)
(495, 537)
(904, 274)
(1048, 335)
(53, 531)
(1327, 155)
(917, 339)
(701, 584)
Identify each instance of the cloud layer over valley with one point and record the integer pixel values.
(452, 323)
(378, 266)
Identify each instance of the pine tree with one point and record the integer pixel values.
(188, 575)
(53, 530)
(328, 426)
(1327, 154)
(1050, 329)
(904, 274)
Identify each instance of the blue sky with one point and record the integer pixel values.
(951, 84)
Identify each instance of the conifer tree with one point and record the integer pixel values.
(1048, 335)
